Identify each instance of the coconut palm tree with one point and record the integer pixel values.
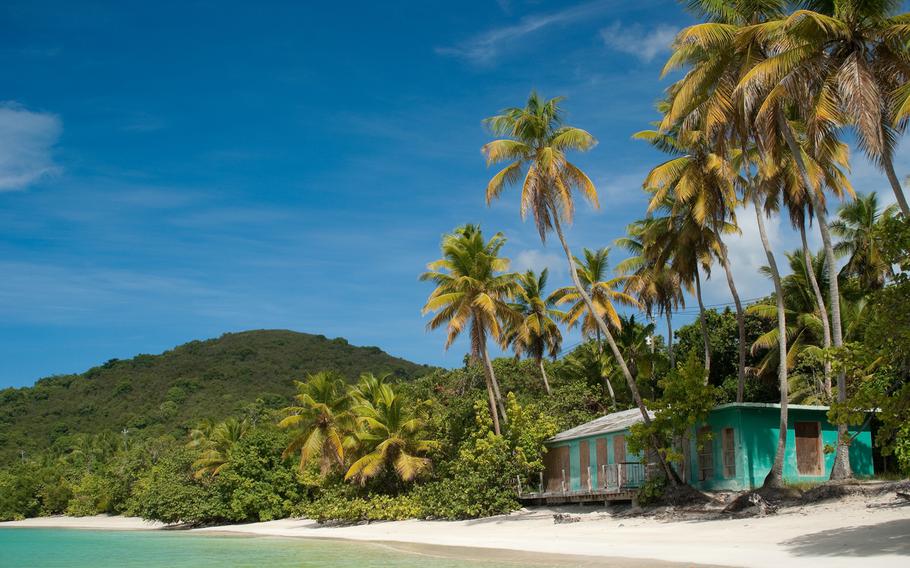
(856, 226)
(534, 141)
(472, 292)
(851, 59)
(716, 55)
(321, 421)
(604, 293)
(537, 334)
(392, 435)
(215, 443)
(703, 180)
(657, 288)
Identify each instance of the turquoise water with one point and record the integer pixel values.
(59, 548)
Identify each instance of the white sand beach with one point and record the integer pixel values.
(847, 532)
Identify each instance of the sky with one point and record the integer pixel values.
(172, 171)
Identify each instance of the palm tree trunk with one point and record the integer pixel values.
(819, 304)
(491, 380)
(888, 165)
(671, 474)
(740, 319)
(670, 340)
(841, 468)
(704, 326)
(543, 375)
(775, 477)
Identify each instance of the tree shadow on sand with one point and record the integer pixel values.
(892, 537)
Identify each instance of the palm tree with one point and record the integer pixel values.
(537, 334)
(472, 292)
(704, 180)
(804, 326)
(708, 98)
(534, 142)
(592, 272)
(321, 421)
(369, 386)
(657, 288)
(216, 443)
(392, 433)
(856, 226)
(851, 59)
(677, 240)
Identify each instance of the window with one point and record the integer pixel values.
(729, 445)
(705, 454)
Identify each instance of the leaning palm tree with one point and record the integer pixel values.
(216, 443)
(393, 436)
(717, 54)
(856, 226)
(604, 293)
(321, 421)
(853, 56)
(703, 180)
(658, 289)
(534, 141)
(472, 292)
(537, 334)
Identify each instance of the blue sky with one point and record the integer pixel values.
(175, 170)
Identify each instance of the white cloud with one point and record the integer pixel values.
(26, 143)
(634, 40)
(537, 260)
(485, 47)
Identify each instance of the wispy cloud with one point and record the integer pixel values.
(27, 139)
(636, 40)
(537, 260)
(484, 48)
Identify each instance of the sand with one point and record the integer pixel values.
(854, 531)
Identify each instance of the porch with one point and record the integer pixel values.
(618, 482)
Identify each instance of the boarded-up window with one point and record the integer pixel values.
(808, 448)
(619, 449)
(584, 454)
(705, 454)
(601, 461)
(556, 461)
(729, 445)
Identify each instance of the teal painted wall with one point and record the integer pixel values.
(574, 446)
(755, 435)
(755, 432)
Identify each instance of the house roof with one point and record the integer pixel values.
(619, 421)
(615, 422)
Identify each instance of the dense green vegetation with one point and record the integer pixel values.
(756, 119)
(169, 393)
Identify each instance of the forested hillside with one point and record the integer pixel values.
(172, 391)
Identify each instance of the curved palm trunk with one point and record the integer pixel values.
(841, 468)
(492, 387)
(740, 320)
(543, 375)
(819, 304)
(670, 340)
(888, 165)
(602, 326)
(775, 477)
(704, 326)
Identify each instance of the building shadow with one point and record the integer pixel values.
(891, 537)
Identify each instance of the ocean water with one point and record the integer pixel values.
(70, 548)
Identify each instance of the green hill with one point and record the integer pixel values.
(169, 392)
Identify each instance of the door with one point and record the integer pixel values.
(619, 449)
(584, 455)
(556, 461)
(601, 462)
(808, 448)
(729, 447)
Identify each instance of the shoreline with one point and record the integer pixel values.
(846, 532)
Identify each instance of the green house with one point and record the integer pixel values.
(734, 450)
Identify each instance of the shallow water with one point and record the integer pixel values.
(70, 548)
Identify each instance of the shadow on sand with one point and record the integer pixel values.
(892, 537)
